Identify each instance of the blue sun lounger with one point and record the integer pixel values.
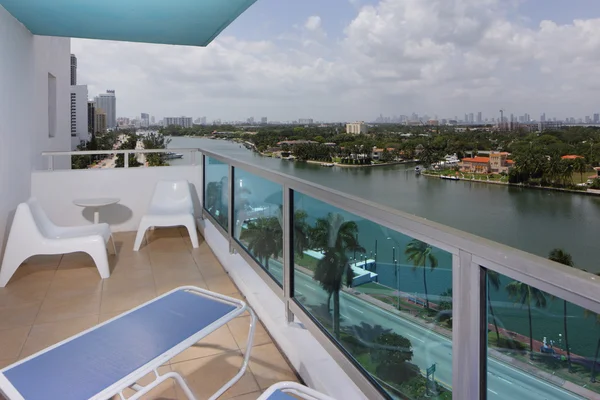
(107, 359)
(285, 390)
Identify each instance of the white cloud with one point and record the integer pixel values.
(443, 57)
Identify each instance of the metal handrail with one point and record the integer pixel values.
(52, 154)
(571, 284)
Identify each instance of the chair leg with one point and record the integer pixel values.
(114, 246)
(141, 234)
(12, 260)
(193, 232)
(100, 257)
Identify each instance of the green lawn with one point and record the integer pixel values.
(306, 261)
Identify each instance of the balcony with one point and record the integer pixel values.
(432, 312)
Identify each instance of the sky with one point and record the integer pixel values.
(346, 60)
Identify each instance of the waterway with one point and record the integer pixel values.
(532, 220)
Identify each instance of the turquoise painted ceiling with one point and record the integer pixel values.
(180, 22)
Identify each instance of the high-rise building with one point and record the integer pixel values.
(73, 70)
(305, 121)
(185, 122)
(471, 118)
(79, 115)
(108, 102)
(145, 120)
(596, 118)
(152, 120)
(479, 117)
(250, 120)
(100, 120)
(91, 117)
(357, 128)
(263, 120)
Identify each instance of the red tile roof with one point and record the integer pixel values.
(571, 157)
(477, 160)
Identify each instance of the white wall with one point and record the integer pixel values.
(25, 62)
(56, 191)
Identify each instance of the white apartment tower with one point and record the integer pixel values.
(357, 128)
(79, 115)
(185, 122)
(108, 102)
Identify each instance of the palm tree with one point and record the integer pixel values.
(587, 314)
(419, 253)
(493, 281)
(334, 237)
(581, 167)
(562, 257)
(264, 238)
(524, 294)
(300, 232)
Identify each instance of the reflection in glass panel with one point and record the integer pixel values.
(216, 191)
(539, 346)
(258, 220)
(380, 294)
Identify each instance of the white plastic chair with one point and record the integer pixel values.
(171, 205)
(33, 233)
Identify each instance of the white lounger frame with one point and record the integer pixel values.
(130, 380)
(296, 389)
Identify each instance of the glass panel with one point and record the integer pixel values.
(216, 191)
(258, 220)
(562, 335)
(385, 297)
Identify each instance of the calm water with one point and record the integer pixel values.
(532, 220)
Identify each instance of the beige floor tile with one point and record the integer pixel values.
(269, 367)
(166, 245)
(76, 259)
(34, 272)
(129, 280)
(45, 260)
(211, 270)
(5, 362)
(221, 284)
(67, 286)
(45, 335)
(164, 287)
(106, 316)
(164, 391)
(239, 329)
(19, 315)
(23, 291)
(125, 300)
(161, 261)
(248, 396)
(56, 309)
(206, 375)
(135, 260)
(171, 232)
(217, 342)
(76, 271)
(11, 341)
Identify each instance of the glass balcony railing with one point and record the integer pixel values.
(409, 308)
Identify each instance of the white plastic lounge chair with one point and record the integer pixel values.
(171, 205)
(33, 233)
(105, 360)
(279, 391)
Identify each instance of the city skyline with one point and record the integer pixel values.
(348, 60)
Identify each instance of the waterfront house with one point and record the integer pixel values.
(377, 153)
(497, 162)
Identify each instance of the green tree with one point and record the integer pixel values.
(129, 143)
(419, 253)
(562, 257)
(335, 237)
(264, 238)
(524, 294)
(155, 141)
(581, 167)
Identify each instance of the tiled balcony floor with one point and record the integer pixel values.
(51, 298)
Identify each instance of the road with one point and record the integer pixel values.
(504, 381)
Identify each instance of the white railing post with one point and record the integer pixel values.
(193, 157)
(51, 163)
(126, 159)
(469, 349)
